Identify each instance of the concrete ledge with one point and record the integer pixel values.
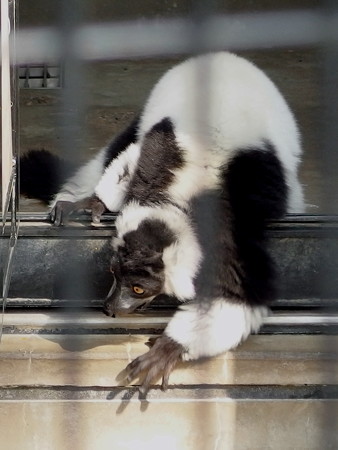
(89, 320)
(97, 360)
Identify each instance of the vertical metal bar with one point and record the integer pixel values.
(72, 99)
(8, 266)
(9, 117)
(44, 75)
(73, 106)
(6, 107)
(72, 128)
(329, 169)
(201, 13)
(207, 209)
(330, 110)
(9, 194)
(26, 83)
(9, 141)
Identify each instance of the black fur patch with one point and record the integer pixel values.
(140, 258)
(144, 246)
(221, 272)
(231, 226)
(121, 141)
(42, 174)
(160, 155)
(257, 192)
(256, 185)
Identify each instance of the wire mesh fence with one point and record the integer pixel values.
(64, 54)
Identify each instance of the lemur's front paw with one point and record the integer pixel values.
(63, 209)
(160, 361)
(60, 213)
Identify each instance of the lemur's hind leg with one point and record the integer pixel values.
(64, 209)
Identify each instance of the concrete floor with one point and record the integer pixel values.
(266, 395)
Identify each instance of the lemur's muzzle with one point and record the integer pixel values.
(109, 306)
(119, 301)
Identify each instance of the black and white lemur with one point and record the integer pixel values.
(212, 157)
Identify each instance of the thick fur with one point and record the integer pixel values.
(121, 141)
(49, 178)
(213, 156)
(159, 158)
(42, 174)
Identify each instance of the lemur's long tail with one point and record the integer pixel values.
(41, 174)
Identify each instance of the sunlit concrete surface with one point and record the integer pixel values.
(98, 360)
(61, 392)
(168, 423)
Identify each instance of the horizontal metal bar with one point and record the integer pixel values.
(151, 38)
(141, 320)
(289, 218)
(305, 303)
(280, 305)
(52, 303)
(106, 217)
(285, 319)
(83, 320)
(200, 393)
(39, 224)
(39, 218)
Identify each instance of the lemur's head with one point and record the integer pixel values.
(138, 267)
(155, 252)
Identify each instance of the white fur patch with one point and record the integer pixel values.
(114, 184)
(228, 104)
(182, 261)
(218, 103)
(209, 330)
(200, 172)
(296, 203)
(131, 216)
(82, 184)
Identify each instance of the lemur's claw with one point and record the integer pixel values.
(160, 361)
(61, 211)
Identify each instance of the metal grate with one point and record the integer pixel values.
(40, 76)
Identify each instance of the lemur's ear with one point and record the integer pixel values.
(154, 261)
(151, 262)
(154, 258)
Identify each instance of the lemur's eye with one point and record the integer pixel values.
(138, 290)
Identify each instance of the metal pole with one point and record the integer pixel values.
(6, 102)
